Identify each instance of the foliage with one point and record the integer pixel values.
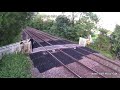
(106, 53)
(47, 25)
(15, 66)
(62, 26)
(11, 24)
(36, 22)
(39, 23)
(84, 26)
(92, 17)
(115, 40)
(103, 31)
(102, 43)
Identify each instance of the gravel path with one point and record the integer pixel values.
(111, 65)
(99, 68)
(82, 71)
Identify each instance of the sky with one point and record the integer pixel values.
(108, 20)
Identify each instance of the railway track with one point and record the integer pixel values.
(115, 71)
(74, 59)
(39, 36)
(93, 56)
(45, 38)
(80, 65)
(88, 50)
(55, 57)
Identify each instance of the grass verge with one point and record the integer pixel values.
(15, 66)
(104, 53)
(107, 54)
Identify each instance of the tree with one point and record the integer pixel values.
(102, 43)
(11, 24)
(47, 24)
(85, 24)
(82, 28)
(74, 15)
(41, 22)
(115, 40)
(36, 22)
(68, 28)
(92, 17)
(62, 22)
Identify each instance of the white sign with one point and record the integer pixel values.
(82, 42)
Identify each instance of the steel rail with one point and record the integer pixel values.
(56, 58)
(73, 58)
(80, 53)
(95, 60)
(82, 49)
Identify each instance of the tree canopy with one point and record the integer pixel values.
(11, 24)
(115, 40)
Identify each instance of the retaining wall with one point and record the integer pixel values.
(11, 48)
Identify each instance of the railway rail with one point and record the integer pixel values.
(55, 58)
(93, 56)
(40, 32)
(43, 37)
(70, 56)
(39, 35)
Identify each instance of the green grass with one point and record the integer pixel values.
(107, 54)
(15, 66)
(104, 53)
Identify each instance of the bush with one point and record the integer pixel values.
(102, 43)
(115, 41)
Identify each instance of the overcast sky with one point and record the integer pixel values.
(108, 20)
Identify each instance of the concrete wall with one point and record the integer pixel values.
(12, 48)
